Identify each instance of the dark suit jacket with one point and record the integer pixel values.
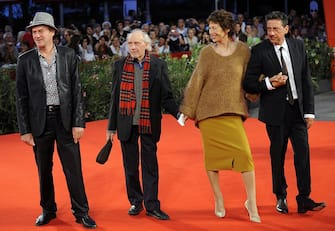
(31, 95)
(272, 102)
(160, 96)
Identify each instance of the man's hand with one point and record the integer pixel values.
(278, 80)
(28, 139)
(77, 133)
(252, 97)
(309, 122)
(110, 135)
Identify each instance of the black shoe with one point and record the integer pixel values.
(45, 218)
(308, 204)
(159, 214)
(135, 210)
(282, 205)
(87, 221)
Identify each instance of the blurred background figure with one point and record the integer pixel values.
(8, 50)
(86, 50)
(162, 47)
(239, 35)
(116, 46)
(191, 40)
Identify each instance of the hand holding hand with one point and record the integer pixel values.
(278, 80)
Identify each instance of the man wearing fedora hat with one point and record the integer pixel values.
(49, 110)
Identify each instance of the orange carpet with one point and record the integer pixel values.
(184, 188)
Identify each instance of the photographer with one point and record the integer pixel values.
(176, 40)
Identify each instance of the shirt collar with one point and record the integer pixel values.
(284, 45)
(138, 64)
(40, 55)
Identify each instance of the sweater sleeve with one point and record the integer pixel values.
(193, 89)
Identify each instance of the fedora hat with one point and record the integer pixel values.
(42, 18)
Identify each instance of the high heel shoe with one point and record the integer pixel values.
(220, 214)
(253, 217)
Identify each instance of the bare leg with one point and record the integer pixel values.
(250, 187)
(213, 177)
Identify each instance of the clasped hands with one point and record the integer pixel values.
(278, 80)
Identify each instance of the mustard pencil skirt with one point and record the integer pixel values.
(225, 144)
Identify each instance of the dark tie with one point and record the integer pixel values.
(285, 72)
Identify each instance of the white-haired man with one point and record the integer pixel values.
(141, 87)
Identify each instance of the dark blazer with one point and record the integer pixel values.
(272, 102)
(31, 94)
(160, 96)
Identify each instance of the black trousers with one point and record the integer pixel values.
(149, 166)
(69, 155)
(293, 128)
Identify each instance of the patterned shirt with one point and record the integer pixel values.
(49, 77)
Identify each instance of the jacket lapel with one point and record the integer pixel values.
(37, 64)
(59, 63)
(293, 54)
(271, 55)
(152, 72)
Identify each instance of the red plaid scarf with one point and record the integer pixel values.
(127, 93)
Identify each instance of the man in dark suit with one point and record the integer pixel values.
(141, 87)
(49, 109)
(286, 106)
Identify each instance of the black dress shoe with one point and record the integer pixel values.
(282, 205)
(135, 210)
(87, 221)
(159, 214)
(45, 218)
(308, 204)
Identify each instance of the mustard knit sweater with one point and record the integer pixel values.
(215, 87)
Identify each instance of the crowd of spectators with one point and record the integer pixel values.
(96, 41)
